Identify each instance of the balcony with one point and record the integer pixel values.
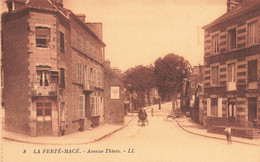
(87, 88)
(50, 90)
(232, 86)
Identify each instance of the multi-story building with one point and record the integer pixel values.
(232, 64)
(53, 69)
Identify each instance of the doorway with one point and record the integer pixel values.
(252, 110)
(44, 118)
(231, 110)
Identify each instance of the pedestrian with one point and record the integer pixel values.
(152, 112)
(159, 106)
(145, 116)
(228, 133)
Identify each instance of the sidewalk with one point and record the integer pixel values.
(197, 129)
(77, 138)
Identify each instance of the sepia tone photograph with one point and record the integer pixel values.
(130, 81)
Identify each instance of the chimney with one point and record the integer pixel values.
(232, 4)
(96, 28)
(107, 63)
(58, 3)
(14, 5)
(82, 17)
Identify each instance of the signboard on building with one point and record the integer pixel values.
(115, 92)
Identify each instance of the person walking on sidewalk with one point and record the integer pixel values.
(152, 112)
(228, 134)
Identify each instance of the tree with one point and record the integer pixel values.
(140, 79)
(169, 74)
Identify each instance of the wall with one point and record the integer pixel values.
(114, 108)
(15, 66)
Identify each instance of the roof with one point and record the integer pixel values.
(244, 7)
(40, 4)
(23, 1)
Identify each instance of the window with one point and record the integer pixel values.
(43, 78)
(231, 72)
(252, 33)
(42, 37)
(232, 39)
(99, 78)
(215, 45)
(95, 105)
(214, 107)
(215, 75)
(95, 77)
(252, 71)
(84, 43)
(62, 78)
(81, 109)
(62, 47)
(88, 75)
(85, 73)
(79, 41)
(79, 72)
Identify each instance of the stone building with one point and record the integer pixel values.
(114, 97)
(53, 69)
(232, 65)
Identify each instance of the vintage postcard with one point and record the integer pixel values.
(130, 80)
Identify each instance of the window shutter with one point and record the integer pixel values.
(60, 113)
(67, 113)
(219, 107)
(208, 106)
(81, 107)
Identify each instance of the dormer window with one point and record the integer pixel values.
(42, 37)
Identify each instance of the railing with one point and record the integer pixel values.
(218, 121)
(50, 90)
(248, 127)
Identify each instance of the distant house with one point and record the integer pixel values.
(232, 61)
(114, 96)
(53, 69)
(190, 98)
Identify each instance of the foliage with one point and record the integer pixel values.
(140, 79)
(169, 73)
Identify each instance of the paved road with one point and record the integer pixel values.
(161, 141)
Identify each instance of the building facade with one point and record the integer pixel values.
(114, 97)
(232, 64)
(53, 69)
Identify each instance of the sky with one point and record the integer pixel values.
(137, 32)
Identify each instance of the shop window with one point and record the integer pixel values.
(214, 107)
(252, 71)
(42, 37)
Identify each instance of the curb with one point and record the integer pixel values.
(95, 140)
(207, 136)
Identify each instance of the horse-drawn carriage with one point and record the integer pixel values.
(142, 115)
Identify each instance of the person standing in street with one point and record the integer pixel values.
(228, 134)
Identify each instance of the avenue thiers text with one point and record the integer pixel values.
(79, 151)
